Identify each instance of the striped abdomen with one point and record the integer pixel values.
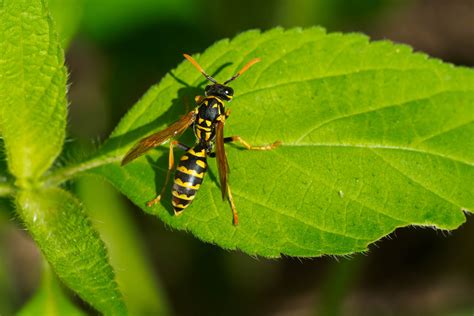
(188, 177)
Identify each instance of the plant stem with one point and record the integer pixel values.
(63, 174)
(6, 189)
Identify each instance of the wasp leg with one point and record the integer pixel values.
(251, 147)
(229, 196)
(170, 167)
(232, 205)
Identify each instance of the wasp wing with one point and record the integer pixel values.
(222, 164)
(159, 138)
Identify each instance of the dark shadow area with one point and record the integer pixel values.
(160, 178)
(181, 105)
(175, 110)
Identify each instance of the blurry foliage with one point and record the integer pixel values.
(118, 230)
(333, 14)
(49, 299)
(67, 15)
(106, 19)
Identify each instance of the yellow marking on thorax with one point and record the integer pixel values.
(200, 120)
(183, 169)
(183, 196)
(188, 185)
(214, 97)
(198, 133)
(204, 128)
(201, 153)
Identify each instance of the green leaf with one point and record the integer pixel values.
(32, 88)
(74, 249)
(49, 299)
(374, 136)
(67, 16)
(125, 246)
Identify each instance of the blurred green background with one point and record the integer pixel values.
(116, 49)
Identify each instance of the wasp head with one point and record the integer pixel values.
(219, 90)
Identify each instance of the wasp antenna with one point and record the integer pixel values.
(198, 67)
(244, 69)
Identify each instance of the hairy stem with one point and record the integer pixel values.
(61, 175)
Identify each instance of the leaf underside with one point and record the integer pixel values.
(58, 224)
(374, 137)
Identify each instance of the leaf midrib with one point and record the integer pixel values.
(378, 146)
(383, 107)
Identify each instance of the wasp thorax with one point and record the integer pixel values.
(220, 91)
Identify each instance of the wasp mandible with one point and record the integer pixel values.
(208, 119)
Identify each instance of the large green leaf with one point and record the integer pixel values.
(59, 226)
(49, 299)
(32, 88)
(374, 136)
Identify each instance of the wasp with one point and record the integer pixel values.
(207, 120)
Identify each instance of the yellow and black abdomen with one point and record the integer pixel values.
(188, 177)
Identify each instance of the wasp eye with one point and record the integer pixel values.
(229, 92)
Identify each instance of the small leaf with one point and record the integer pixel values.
(49, 299)
(374, 136)
(64, 234)
(32, 88)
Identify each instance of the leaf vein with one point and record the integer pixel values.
(317, 127)
(439, 133)
(306, 223)
(309, 175)
(412, 179)
(378, 146)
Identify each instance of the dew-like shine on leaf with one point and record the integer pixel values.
(374, 136)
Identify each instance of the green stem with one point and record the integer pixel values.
(6, 189)
(63, 174)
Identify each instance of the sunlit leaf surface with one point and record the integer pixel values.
(374, 136)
